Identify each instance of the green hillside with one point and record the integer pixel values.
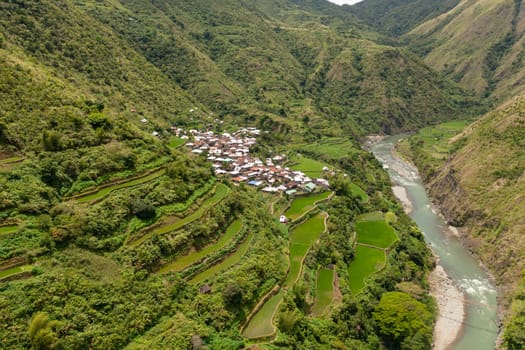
(469, 46)
(96, 203)
(396, 17)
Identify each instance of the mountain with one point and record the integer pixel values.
(461, 39)
(232, 58)
(397, 17)
(473, 49)
(475, 175)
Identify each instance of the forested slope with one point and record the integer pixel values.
(397, 17)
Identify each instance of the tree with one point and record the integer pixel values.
(42, 332)
(403, 322)
(51, 140)
(232, 294)
(143, 209)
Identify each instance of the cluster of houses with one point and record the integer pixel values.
(230, 156)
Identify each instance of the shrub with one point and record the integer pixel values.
(143, 209)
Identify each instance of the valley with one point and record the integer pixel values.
(191, 174)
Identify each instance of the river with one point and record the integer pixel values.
(479, 327)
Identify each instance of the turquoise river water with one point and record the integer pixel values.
(479, 328)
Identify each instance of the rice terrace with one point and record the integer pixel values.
(324, 291)
(261, 325)
(374, 236)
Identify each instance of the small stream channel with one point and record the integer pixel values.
(479, 328)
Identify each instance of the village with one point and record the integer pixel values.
(230, 156)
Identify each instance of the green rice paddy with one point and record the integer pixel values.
(221, 190)
(435, 139)
(176, 142)
(310, 167)
(335, 147)
(358, 192)
(301, 205)
(15, 271)
(11, 160)
(308, 231)
(225, 264)
(376, 233)
(324, 291)
(107, 190)
(8, 229)
(301, 238)
(261, 325)
(187, 260)
(372, 216)
(367, 261)
(297, 253)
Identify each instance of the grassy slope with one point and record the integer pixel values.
(469, 46)
(398, 17)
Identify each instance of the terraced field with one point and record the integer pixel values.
(301, 205)
(301, 238)
(367, 261)
(176, 142)
(261, 325)
(187, 260)
(225, 264)
(8, 229)
(324, 291)
(335, 147)
(174, 223)
(374, 236)
(103, 192)
(435, 139)
(358, 192)
(311, 167)
(372, 216)
(11, 160)
(15, 271)
(376, 233)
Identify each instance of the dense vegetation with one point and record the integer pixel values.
(109, 229)
(397, 17)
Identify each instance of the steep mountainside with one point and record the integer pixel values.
(483, 186)
(396, 17)
(234, 58)
(478, 44)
